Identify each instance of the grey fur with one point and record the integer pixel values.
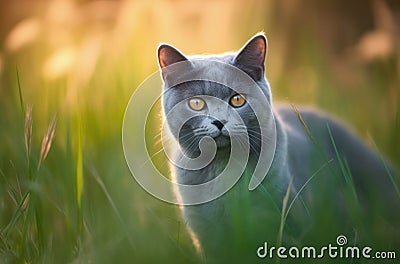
(297, 155)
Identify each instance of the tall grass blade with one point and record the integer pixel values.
(47, 140)
(28, 131)
(344, 167)
(21, 100)
(269, 197)
(79, 169)
(304, 185)
(23, 204)
(300, 118)
(388, 171)
(79, 182)
(284, 209)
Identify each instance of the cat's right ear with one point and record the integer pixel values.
(251, 57)
(168, 55)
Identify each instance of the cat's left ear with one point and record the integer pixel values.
(168, 55)
(251, 58)
(168, 59)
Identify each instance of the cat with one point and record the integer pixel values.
(307, 141)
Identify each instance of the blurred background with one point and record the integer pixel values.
(81, 61)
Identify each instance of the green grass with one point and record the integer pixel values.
(74, 200)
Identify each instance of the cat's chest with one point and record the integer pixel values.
(205, 174)
(238, 201)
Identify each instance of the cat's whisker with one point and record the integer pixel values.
(167, 143)
(192, 145)
(158, 134)
(152, 156)
(157, 152)
(201, 129)
(252, 147)
(244, 143)
(258, 137)
(254, 131)
(186, 138)
(254, 142)
(166, 163)
(163, 141)
(200, 132)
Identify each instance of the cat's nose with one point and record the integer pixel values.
(218, 124)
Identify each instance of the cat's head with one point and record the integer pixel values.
(200, 107)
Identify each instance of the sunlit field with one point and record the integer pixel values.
(68, 69)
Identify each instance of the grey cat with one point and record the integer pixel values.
(307, 142)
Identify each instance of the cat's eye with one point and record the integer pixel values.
(197, 103)
(237, 100)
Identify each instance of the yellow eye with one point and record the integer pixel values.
(237, 100)
(196, 103)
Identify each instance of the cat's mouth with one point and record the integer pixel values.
(221, 138)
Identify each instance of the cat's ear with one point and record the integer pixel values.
(168, 55)
(172, 72)
(251, 58)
